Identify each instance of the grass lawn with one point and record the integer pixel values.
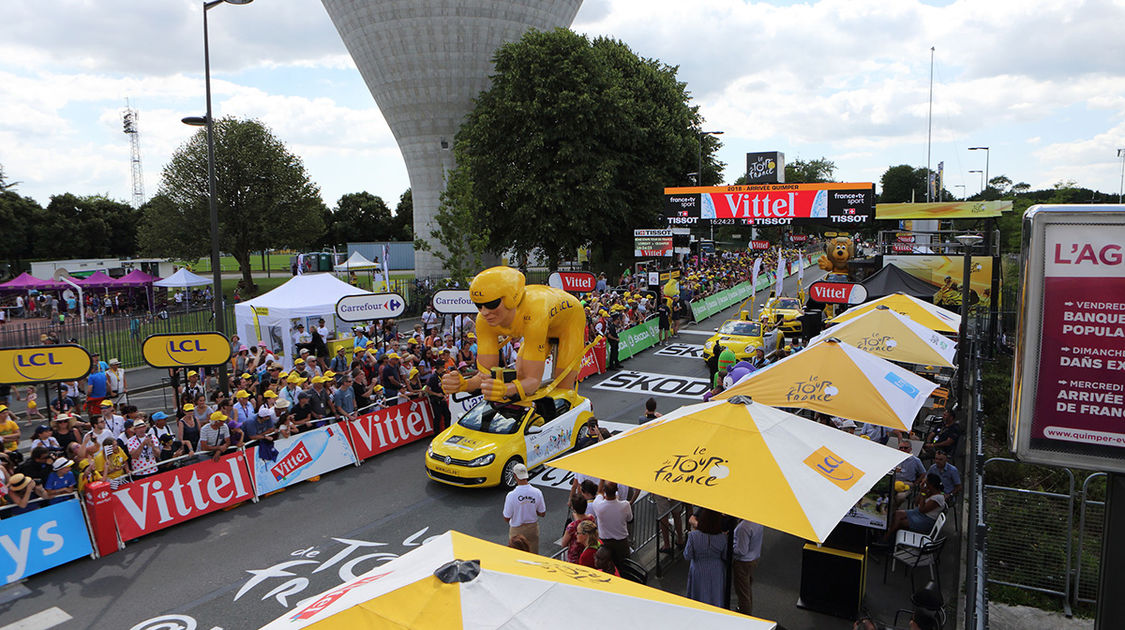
(277, 262)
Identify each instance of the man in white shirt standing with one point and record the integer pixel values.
(747, 550)
(613, 515)
(523, 507)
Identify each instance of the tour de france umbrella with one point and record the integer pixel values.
(457, 581)
(744, 459)
(926, 314)
(893, 336)
(836, 378)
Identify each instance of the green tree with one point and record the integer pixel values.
(264, 197)
(402, 224)
(105, 227)
(902, 183)
(573, 144)
(20, 217)
(359, 216)
(461, 240)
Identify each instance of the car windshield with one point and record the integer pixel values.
(787, 303)
(740, 327)
(490, 418)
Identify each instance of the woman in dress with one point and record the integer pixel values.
(706, 551)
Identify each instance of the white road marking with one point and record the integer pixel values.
(697, 332)
(41, 620)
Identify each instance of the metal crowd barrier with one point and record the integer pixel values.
(1091, 522)
(1029, 537)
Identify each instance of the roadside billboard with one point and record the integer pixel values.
(935, 269)
(174, 350)
(843, 204)
(153, 503)
(386, 429)
(301, 457)
(652, 243)
(42, 539)
(1068, 405)
(44, 364)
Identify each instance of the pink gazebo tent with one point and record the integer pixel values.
(135, 279)
(28, 282)
(97, 280)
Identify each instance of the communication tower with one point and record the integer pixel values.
(129, 118)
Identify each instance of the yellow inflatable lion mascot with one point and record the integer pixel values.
(837, 252)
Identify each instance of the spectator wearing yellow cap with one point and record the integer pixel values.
(9, 430)
(214, 438)
(292, 388)
(391, 379)
(193, 388)
(243, 407)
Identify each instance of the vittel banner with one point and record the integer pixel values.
(386, 429)
(156, 502)
(775, 204)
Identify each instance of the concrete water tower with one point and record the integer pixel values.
(425, 61)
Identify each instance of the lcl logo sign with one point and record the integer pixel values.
(44, 364)
(181, 350)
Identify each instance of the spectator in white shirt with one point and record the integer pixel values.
(523, 507)
(613, 515)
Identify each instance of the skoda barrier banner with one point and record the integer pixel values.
(301, 457)
(637, 338)
(41, 539)
(162, 500)
(385, 429)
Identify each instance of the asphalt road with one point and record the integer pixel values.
(241, 568)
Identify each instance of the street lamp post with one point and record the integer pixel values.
(986, 152)
(699, 168)
(968, 241)
(208, 121)
(1121, 189)
(981, 180)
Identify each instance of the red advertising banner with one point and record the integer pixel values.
(905, 238)
(902, 248)
(573, 281)
(838, 292)
(648, 243)
(156, 502)
(593, 362)
(386, 429)
(773, 204)
(759, 245)
(798, 238)
(1081, 385)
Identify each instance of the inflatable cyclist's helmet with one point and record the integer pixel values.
(495, 285)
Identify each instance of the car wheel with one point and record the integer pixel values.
(508, 475)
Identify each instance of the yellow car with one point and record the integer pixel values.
(743, 337)
(484, 445)
(783, 313)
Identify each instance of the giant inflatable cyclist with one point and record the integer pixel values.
(542, 316)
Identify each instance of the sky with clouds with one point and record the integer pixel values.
(1041, 82)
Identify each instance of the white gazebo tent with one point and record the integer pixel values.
(357, 262)
(272, 317)
(182, 279)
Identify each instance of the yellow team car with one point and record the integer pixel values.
(486, 443)
(743, 337)
(783, 313)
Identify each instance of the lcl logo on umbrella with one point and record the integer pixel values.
(834, 468)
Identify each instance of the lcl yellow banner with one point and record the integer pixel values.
(44, 364)
(183, 350)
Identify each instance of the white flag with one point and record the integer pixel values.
(780, 273)
(801, 267)
(386, 265)
(754, 275)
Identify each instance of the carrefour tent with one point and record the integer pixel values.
(273, 317)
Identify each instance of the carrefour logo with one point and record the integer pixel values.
(181, 350)
(357, 308)
(43, 364)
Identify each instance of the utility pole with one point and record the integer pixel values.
(930, 127)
